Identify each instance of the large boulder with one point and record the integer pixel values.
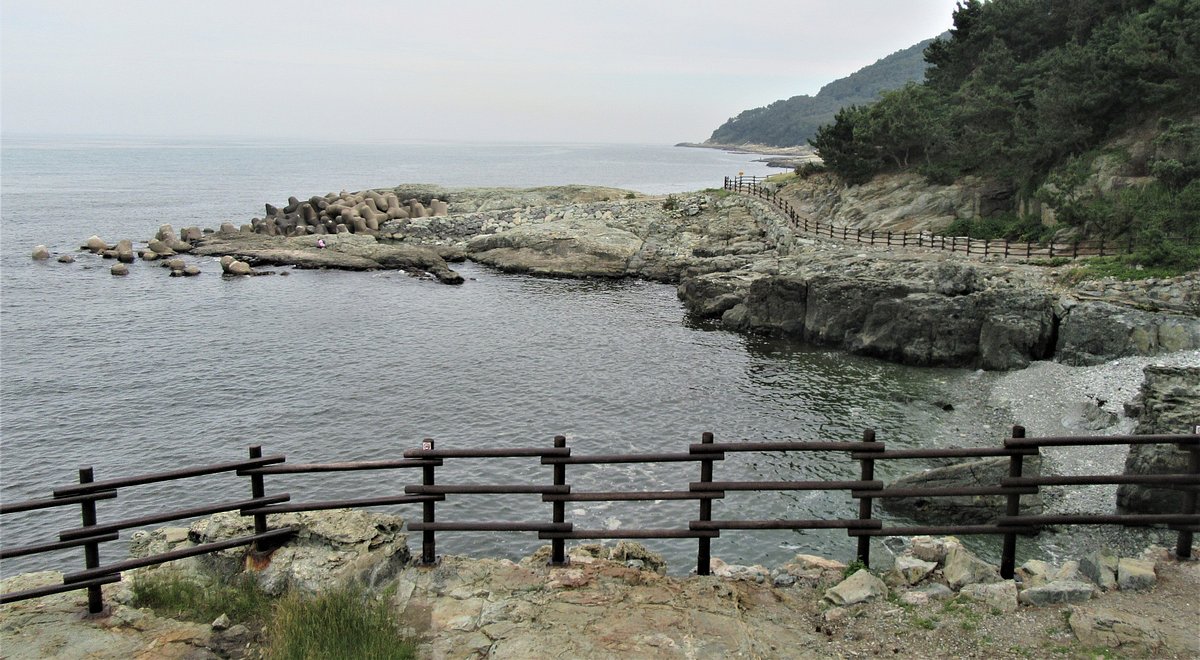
(331, 548)
(1170, 404)
(580, 247)
(860, 587)
(41, 253)
(1097, 332)
(95, 244)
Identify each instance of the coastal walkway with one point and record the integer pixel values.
(752, 186)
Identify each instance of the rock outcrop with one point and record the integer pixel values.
(895, 202)
(1096, 332)
(575, 248)
(923, 313)
(343, 251)
(330, 548)
(1170, 403)
(961, 509)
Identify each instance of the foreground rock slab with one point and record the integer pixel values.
(52, 627)
(597, 609)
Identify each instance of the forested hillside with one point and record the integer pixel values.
(794, 121)
(1044, 95)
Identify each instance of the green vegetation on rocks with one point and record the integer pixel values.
(1084, 107)
(345, 623)
(180, 597)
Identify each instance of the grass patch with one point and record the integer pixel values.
(178, 597)
(1132, 267)
(925, 623)
(341, 623)
(1051, 263)
(346, 623)
(893, 597)
(852, 568)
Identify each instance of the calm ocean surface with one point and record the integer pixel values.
(148, 373)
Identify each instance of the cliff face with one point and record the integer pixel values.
(894, 202)
(922, 313)
(1170, 403)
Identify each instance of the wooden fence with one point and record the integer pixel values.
(859, 521)
(997, 247)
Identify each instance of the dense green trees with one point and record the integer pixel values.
(1020, 87)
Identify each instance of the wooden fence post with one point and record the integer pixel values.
(91, 551)
(258, 489)
(704, 548)
(428, 540)
(1008, 555)
(864, 504)
(1183, 544)
(558, 546)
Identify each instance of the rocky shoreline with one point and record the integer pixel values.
(614, 600)
(735, 260)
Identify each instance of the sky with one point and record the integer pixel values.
(648, 72)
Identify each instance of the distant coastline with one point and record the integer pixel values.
(781, 157)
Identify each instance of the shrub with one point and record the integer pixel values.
(809, 169)
(1010, 226)
(670, 203)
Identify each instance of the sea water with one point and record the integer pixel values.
(146, 373)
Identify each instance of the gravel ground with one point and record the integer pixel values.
(1050, 398)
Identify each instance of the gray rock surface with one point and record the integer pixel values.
(1001, 596)
(1101, 568)
(961, 509)
(331, 548)
(569, 247)
(1170, 403)
(961, 568)
(1057, 592)
(1135, 574)
(1097, 332)
(858, 588)
(342, 251)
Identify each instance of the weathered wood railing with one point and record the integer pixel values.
(998, 247)
(704, 527)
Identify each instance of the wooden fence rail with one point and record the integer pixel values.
(859, 523)
(998, 247)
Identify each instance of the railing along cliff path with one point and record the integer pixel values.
(996, 247)
(704, 526)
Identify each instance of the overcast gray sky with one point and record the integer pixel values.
(527, 70)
